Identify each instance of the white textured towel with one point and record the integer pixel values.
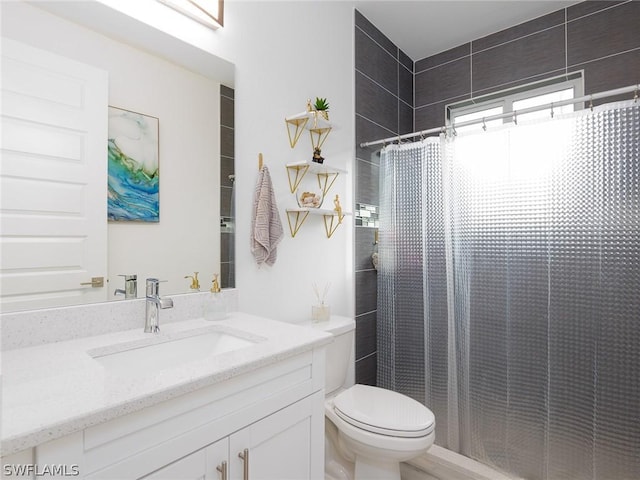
(266, 227)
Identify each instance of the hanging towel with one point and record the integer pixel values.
(266, 228)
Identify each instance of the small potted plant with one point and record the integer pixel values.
(322, 107)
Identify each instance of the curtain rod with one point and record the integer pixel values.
(514, 114)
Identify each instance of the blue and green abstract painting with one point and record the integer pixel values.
(133, 167)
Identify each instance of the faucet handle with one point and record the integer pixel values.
(153, 285)
(195, 283)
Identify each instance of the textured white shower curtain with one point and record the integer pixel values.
(521, 327)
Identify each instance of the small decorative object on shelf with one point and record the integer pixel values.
(317, 157)
(319, 126)
(309, 200)
(322, 107)
(338, 209)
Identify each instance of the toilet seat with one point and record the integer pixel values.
(384, 412)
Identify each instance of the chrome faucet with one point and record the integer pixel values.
(130, 287)
(153, 305)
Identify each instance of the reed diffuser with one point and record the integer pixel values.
(320, 312)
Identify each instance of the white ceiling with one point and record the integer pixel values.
(421, 28)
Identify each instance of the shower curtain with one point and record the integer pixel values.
(509, 292)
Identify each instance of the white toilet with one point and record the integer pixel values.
(373, 429)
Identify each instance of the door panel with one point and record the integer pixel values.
(53, 179)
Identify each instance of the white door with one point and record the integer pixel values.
(53, 179)
(278, 447)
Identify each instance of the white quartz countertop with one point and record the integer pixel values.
(55, 389)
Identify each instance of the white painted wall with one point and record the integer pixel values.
(285, 53)
(187, 237)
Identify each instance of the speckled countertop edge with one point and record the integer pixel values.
(56, 389)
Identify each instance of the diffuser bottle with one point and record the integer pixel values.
(215, 307)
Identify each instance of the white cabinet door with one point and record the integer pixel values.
(53, 179)
(278, 447)
(205, 464)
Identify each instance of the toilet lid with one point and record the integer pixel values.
(383, 411)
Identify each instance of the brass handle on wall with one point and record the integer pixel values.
(245, 457)
(222, 468)
(96, 282)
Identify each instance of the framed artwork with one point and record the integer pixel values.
(133, 190)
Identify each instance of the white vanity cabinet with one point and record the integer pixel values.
(273, 414)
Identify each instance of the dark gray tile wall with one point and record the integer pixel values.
(394, 95)
(600, 37)
(227, 168)
(384, 108)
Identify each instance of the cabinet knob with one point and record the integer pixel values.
(222, 468)
(245, 457)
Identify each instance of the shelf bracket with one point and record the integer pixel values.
(300, 217)
(301, 171)
(326, 185)
(295, 127)
(331, 223)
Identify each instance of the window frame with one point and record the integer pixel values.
(508, 97)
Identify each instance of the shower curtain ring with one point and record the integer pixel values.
(635, 94)
(551, 109)
(591, 103)
(515, 117)
(484, 125)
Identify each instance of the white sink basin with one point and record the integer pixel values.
(160, 353)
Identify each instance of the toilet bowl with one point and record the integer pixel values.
(370, 430)
(378, 429)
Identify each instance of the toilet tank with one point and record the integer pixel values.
(339, 351)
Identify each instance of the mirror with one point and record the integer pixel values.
(191, 94)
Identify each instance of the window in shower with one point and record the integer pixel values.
(545, 92)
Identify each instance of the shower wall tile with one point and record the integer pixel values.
(447, 56)
(367, 182)
(611, 72)
(365, 238)
(593, 37)
(519, 31)
(444, 81)
(376, 35)
(405, 118)
(376, 103)
(384, 109)
(227, 115)
(405, 84)
(376, 63)
(366, 342)
(405, 60)
(225, 201)
(366, 370)
(367, 131)
(533, 55)
(227, 145)
(592, 6)
(226, 245)
(227, 167)
(433, 116)
(366, 291)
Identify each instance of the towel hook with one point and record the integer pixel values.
(260, 161)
